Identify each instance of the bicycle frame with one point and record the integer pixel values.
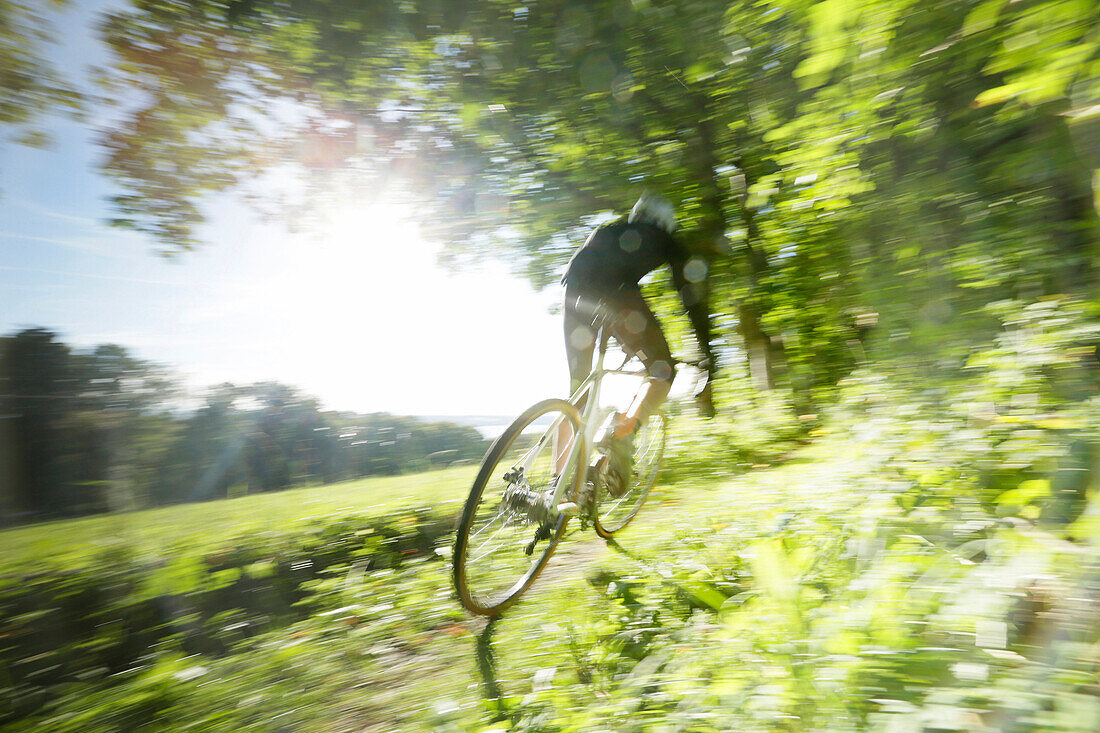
(589, 390)
(521, 503)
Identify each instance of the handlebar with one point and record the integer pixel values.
(696, 363)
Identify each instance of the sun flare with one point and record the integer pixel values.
(390, 330)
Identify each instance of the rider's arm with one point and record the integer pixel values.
(689, 277)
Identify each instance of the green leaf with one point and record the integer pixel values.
(770, 566)
(705, 593)
(1000, 94)
(820, 64)
(983, 17)
(1025, 493)
(830, 43)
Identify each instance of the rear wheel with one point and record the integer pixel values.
(613, 512)
(508, 532)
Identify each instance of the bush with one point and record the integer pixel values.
(118, 617)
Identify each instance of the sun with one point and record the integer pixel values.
(380, 326)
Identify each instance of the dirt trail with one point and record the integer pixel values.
(578, 550)
(574, 555)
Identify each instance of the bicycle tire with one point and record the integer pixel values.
(482, 589)
(611, 514)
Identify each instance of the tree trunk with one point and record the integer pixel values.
(759, 347)
(765, 354)
(11, 478)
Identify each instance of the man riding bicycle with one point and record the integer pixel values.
(604, 273)
(518, 500)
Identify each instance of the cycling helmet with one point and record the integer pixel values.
(656, 210)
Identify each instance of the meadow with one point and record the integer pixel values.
(201, 527)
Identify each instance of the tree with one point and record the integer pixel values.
(943, 137)
(120, 405)
(41, 394)
(281, 445)
(205, 456)
(98, 430)
(77, 420)
(833, 161)
(525, 124)
(29, 85)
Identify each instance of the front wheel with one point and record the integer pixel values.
(508, 532)
(613, 512)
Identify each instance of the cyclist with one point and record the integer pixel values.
(605, 272)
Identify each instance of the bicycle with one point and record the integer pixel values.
(519, 499)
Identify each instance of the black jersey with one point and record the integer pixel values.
(616, 256)
(620, 254)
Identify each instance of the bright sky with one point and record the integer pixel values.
(363, 319)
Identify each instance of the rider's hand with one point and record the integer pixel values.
(704, 394)
(704, 402)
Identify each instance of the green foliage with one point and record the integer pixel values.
(126, 627)
(896, 204)
(927, 564)
(201, 528)
(30, 86)
(883, 578)
(100, 431)
(862, 179)
(743, 436)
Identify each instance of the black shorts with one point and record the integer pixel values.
(637, 329)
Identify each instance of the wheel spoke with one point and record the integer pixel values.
(488, 540)
(500, 513)
(491, 563)
(503, 517)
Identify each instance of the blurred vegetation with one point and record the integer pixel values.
(862, 178)
(151, 535)
(919, 556)
(30, 86)
(79, 629)
(98, 431)
(893, 524)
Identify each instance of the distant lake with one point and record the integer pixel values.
(491, 432)
(490, 426)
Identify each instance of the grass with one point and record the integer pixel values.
(800, 598)
(386, 650)
(391, 649)
(571, 650)
(195, 528)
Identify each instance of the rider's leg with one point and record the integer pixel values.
(580, 340)
(650, 396)
(642, 333)
(563, 442)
